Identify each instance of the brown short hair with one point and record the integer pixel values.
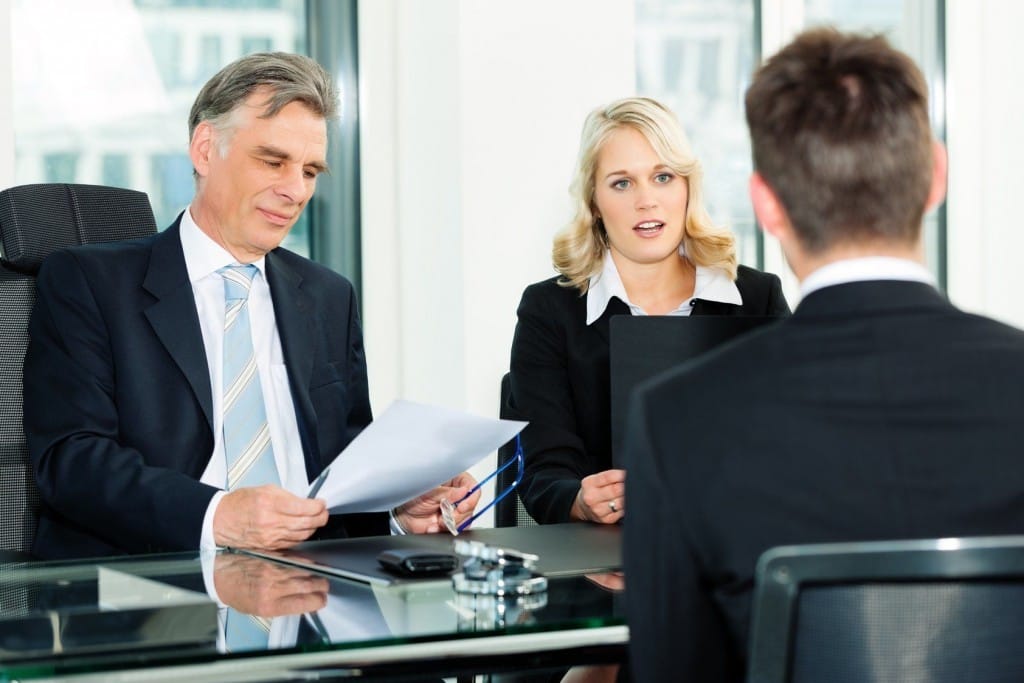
(839, 129)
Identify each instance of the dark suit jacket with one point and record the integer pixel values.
(118, 404)
(561, 383)
(877, 411)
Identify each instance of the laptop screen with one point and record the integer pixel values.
(644, 346)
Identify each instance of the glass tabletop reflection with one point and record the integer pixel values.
(63, 617)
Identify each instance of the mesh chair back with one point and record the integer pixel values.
(509, 511)
(895, 611)
(34, 221)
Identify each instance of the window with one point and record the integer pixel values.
(129, 128)
(116, 171)
(57, 165)
(914, 26)
(697, 57)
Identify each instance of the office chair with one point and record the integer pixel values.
(901, 611)
(36, 220)
(509, 511)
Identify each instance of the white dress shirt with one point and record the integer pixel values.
(203, 257)
(711, 284)
(866, 268)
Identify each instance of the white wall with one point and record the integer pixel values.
(985, 76)
(471, 113)
(6, 100)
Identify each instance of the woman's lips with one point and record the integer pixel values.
(648, 228)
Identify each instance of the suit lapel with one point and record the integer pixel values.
(174, 318)
(293, 311)
(603, 324)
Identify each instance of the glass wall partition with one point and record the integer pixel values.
(697, 56)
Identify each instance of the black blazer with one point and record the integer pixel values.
(118, 405)
(877, 411)
(561, 383)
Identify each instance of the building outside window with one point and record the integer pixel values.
(697, 56)
(129, 127)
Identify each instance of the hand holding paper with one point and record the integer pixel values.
(407, 450)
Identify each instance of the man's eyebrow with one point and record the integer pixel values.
(267, 151)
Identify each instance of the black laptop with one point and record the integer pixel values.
(643, 346)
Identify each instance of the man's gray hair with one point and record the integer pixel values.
(288, 78)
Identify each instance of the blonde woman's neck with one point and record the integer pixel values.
(659, 287)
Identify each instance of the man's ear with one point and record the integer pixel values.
(771, 215)
(202, 147)
(940, 170)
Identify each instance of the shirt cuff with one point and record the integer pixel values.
(206, 542)
(396, 528)
(208, 560)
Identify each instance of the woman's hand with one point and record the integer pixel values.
(602, 498)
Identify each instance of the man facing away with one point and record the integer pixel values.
(877, 411)
(182, 390)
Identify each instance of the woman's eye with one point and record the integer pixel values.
(620, 184)
(663, 178)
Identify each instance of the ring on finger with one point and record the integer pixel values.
(613, 506)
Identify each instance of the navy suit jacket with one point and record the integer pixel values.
(877, 411)
(118, 404)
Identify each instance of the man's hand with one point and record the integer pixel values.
(267, 589)
(602, 498)
(422, 515)
(266, 518)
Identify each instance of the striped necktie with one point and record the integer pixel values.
(245, 632)
(247, 447)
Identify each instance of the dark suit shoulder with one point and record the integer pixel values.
(553, 306)
(109, 267)
(549, 293)
(755, 279)
(761, 292)
(104, 253)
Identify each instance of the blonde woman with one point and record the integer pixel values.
(641, 243)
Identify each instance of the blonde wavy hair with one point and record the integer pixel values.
(579, 248)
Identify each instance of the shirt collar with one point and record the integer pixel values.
(203, 256)
(714, 284)
(867, 268)
(711, 284)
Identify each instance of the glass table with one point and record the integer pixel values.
(115, 618)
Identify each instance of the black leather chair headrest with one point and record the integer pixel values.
(36, 220)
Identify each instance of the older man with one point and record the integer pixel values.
(182, 390)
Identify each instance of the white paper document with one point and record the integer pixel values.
(406, 451)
